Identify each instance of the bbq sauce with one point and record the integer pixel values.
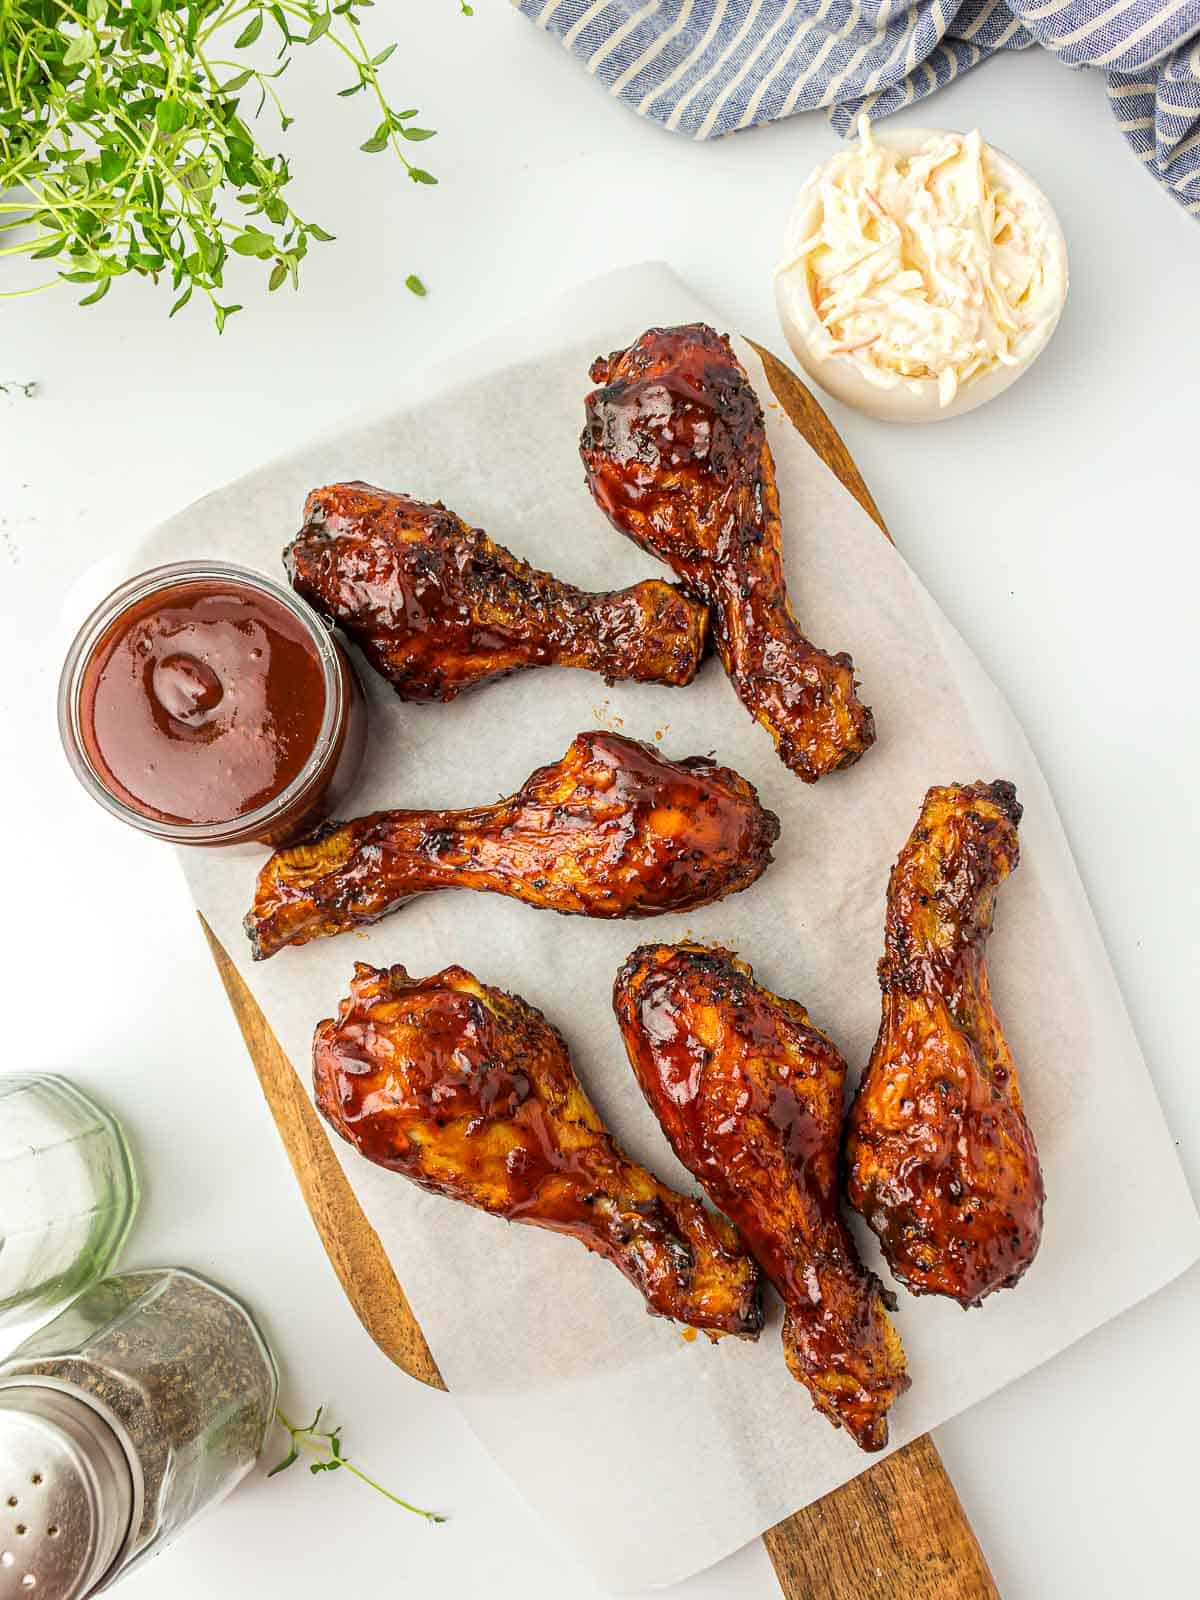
(202, 702)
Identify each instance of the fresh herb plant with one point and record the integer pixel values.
(127, 145)
(327, 1447)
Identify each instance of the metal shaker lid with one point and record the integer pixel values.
(66, 1494)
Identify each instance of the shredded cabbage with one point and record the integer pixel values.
(926, 266)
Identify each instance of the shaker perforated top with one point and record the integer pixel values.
(66, 1494)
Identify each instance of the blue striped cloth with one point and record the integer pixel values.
(708, 67)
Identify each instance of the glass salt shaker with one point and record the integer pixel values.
(68, 1191)
(141, 1404)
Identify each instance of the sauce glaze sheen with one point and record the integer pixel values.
(614, 829)
(201, 703)
(469, 1092)
(676, 455)
(749, 1093)
(941, 1160)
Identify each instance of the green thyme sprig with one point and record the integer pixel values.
(126, 143)
(327, 1447)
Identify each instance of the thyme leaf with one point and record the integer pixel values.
(326, 1445)
(128, 142)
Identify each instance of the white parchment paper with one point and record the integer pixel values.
(654, 1455)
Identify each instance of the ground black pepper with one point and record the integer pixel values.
(185, 1372)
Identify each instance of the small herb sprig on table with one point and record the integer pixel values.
(125, 144)
(327, 1447)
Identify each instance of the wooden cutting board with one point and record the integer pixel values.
(896, 1532)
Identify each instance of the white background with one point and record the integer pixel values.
(1056, 527)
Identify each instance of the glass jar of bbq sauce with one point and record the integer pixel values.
(206, 704)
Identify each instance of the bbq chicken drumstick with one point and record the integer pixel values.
(437, 608)
(614, 829)
(749, 1093)
(941, 1160)
(470, 1092)
(677, 458)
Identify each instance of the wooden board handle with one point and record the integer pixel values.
(897, 1532)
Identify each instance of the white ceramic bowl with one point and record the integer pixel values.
(912, 400)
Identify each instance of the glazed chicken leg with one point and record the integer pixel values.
(749, 1093)
(942, 1162)
(677, 458)
(614, 829)
(437, 608)
(470, 1092)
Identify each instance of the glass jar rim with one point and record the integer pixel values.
(172, 574)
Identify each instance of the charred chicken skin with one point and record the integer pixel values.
(941, 1160)
(437, 608)
(470, 1092)
(749, 1093)
(614, 829)
(677, 458)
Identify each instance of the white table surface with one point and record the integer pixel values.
(1056, 527)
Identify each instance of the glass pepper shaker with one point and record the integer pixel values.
(68, 1191)
(142, 1403)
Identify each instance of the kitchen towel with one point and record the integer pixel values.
(708, 67)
